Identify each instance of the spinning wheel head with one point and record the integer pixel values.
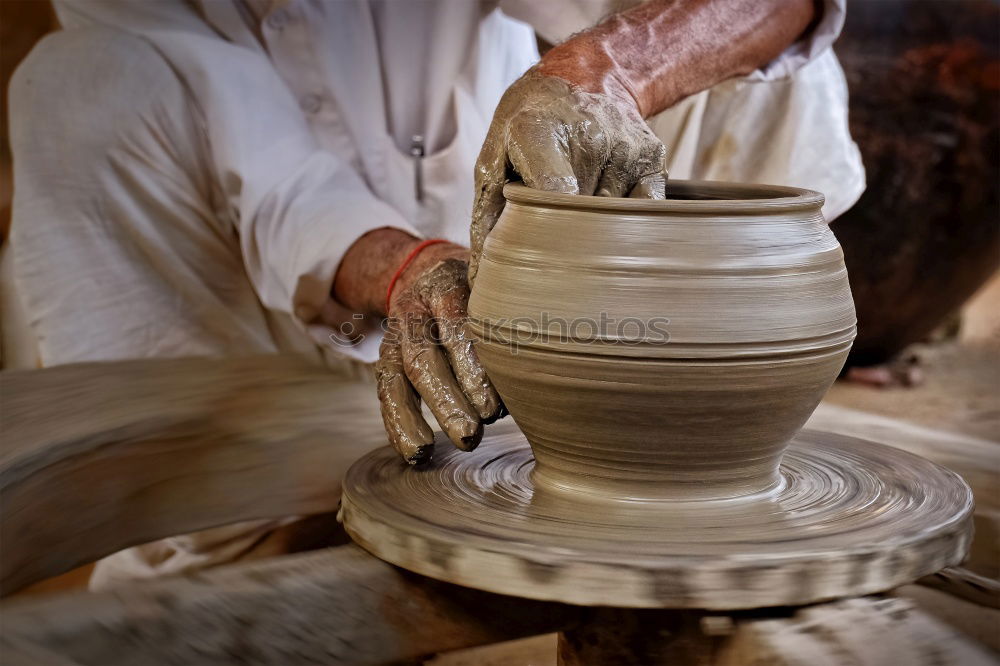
(849, 517)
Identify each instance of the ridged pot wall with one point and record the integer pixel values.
(662, 349)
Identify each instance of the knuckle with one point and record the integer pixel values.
(658, 151)
(651, 158)
(388, 356)
(416, 360)
(651, 144)
(525, 120)
(385, 377)
(451, 271)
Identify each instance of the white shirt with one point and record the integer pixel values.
(188, 176)
(309, 109)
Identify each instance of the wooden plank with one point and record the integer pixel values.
(965, 584)
(100, 456)
(336, 606)
(868, 631)
(343, 606)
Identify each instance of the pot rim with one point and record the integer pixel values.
(754, 198)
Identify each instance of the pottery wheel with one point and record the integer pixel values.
(851, 517)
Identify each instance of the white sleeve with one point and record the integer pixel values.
(556, 21)
(809, 47)
(297, 207)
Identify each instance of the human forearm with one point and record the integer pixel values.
(367, 267)
(662, 51)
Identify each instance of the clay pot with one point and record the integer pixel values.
(662, 349)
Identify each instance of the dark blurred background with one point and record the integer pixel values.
(22, 23)
(924, 78)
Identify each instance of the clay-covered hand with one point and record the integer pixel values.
(558, 137)
(574, 122)
(426, 353)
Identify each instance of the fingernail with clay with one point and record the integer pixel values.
(471, 441)
(487, 407)
(501, 412)
(421, 456)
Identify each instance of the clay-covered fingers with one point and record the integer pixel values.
(491, 173)
(448, 300)
(636, 165)
(527, 142)
(427, 355)
(653, 186)
(408, 432)
(542, 152)
(431, 375)
(558, 138)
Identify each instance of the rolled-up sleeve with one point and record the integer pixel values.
(296, 206)
(809, 46)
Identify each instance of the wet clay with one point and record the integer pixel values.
(661, 463)
(662, 348)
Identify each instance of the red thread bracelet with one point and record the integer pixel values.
(406, 262)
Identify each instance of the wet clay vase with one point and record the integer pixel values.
(662, 349)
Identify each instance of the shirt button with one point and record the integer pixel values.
(277, 19)
(311, 103)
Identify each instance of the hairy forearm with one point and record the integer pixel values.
(662, 51)
(364, 273)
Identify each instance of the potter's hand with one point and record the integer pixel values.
(426, 353)
(574, 122)
(560, 138)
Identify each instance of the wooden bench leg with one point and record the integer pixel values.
(867, 631)
(628, 637)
